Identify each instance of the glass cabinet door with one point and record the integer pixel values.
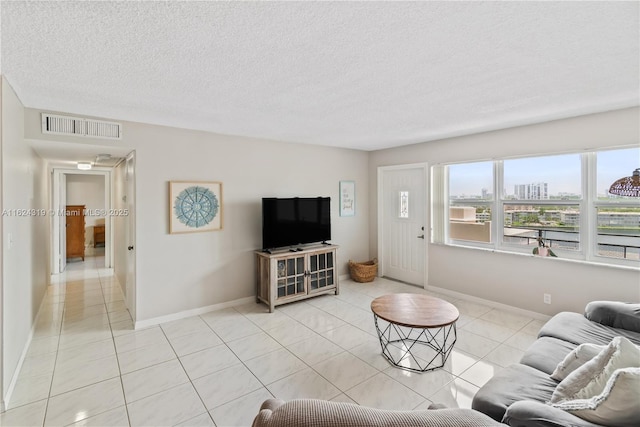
(321, 271)
(290, 272)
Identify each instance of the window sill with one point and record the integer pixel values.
(553, 259)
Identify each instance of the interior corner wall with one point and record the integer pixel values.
(25, 236)
(514, 279)
(180, 272)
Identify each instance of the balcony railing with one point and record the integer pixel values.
(614, 245)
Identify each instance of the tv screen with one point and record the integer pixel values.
(295, 221)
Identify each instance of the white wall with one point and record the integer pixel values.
(2, 388)
(208, 268)
(512, 279)
(177, 272)
(87, 190)
(25, 254)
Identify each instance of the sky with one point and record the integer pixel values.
(562, 172)
(615, 164)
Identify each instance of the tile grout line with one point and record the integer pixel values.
(187, 375)
(113, 342)
(57, 351)
(55, 362)
(322, 309)
(241, 362)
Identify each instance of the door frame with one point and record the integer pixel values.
(131, 267)
(381, 244)
(56, 228)
(58, 198)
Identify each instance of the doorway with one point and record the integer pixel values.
(402, 223)
(91, 189)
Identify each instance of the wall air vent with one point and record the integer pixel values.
(78, 126)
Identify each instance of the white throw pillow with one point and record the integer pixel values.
(617, 405)
(591, 378)
(578, 357)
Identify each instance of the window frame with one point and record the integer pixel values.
(596, 204)
(588, 206)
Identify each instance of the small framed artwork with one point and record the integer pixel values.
(347, 198)
(195, 206)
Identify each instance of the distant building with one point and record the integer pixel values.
(572, 217)
(521, 215)
(535, 191)
(483, 216)
(551, 215)
(619, 219)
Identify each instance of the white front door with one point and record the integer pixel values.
(403, 221)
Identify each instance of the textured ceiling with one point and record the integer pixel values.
(364, 75)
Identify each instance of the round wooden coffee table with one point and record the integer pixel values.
(405, 320)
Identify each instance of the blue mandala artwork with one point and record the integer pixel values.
(196, 206)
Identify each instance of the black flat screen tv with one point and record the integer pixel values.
(295, 221)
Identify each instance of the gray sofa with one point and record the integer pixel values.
(322, 413)
(518, 394)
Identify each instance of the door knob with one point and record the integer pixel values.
(130, 248)
(421, 236)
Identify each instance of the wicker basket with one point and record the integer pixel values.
(363, 271)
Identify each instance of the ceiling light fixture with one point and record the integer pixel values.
(628, 186)
(84, 166)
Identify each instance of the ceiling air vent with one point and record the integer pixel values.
(77, 126)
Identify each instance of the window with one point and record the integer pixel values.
(618, 232)
(404, 204)
(470, 201)
(612, 165)
(555, 184)
(558, 226)
(511, 204)
(617, 225)
(543, 178)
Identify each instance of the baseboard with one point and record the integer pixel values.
(504, 307)
(193, 312)
(202, 310)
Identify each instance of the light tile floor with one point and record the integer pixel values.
(86, 366)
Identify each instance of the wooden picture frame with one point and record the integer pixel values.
(195, 206)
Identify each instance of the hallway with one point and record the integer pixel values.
(72, 347)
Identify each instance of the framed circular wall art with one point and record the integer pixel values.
(195, 206)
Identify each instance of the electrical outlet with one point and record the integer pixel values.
(547, 298)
